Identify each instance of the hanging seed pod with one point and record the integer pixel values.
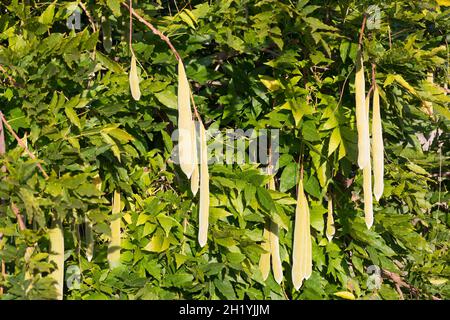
(362, 122)
(114, 244)
(275, 253)
(185, 123)
(56, 237)
(264, 260)
(427, 105)
(377, 147)
(106, 31)
(367, 181)
(331, 230)
(134, 79)
(90, 241)
(274, 240)
(204, 189)
(89, 233)
(195, 173)
(301, 259)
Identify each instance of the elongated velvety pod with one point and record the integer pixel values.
(134, 80)
(427, 104)
(331, 230)
(88, 225)
(196, 173)
(367, 182)
(362, 121)
(275, 243)
(264, 260)
(204, 189)
(90, 242)
(114, 244)
(277, 267)
(301, 259)
(56, 255)
(377, 147)
(185, 123)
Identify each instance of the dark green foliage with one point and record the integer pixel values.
(252, 64)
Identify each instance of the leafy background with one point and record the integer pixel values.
(252, 64)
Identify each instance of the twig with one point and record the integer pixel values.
(3, 275)
(361, 32)
(130, 37)
(18, 216)
(154, 30)
(399, 283)
(166, 40)
(91, 20)
(20, 142)
(10, 79)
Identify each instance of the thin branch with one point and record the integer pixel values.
(130, 37)
(22, 144)
(91, 20)
(18, 216)
(154, 30)
(361, 32)
(10, 79)
(166, 40)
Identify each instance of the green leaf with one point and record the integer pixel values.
(265, 199)
(335, 140)
(225, 288)
(114, 5)
(288, 177)
(73, 117)
(47, 16)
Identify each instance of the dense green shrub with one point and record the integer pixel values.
(258, 64)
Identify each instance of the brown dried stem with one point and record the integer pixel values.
(22, 144)
(154, 30)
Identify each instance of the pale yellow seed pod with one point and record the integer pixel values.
(56, 237)
(264, 260)
(134, 79)
(90, 241)
(367, 182)
(302, 258)
(377, 147)
(115, 242)
(331, 230)
(204, 189)
(275, 252)
(362, 122)
(274, 241)
(195, 174)
(185, 123)
(427, 105)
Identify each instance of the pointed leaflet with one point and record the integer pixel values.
(362, 123)
(377, 147)
(301, 256)
(114, 244)
(134, 79)
(185, 123)
(367, 181)
(195, 173)
(56, 237)
(330, 220)
(204, 189)
(264, 260)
